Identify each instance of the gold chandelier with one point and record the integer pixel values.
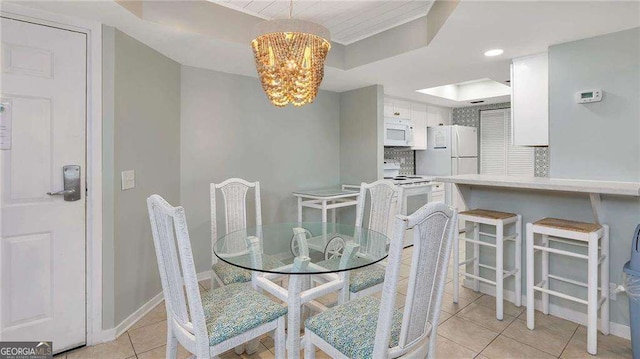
(290, 57)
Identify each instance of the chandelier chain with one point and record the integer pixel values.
(290, 9)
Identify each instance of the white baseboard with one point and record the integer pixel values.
(138, 314)
(111, 334)
(619, 330)
(203, 275)
(106, 335)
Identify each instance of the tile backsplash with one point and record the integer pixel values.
(470, 116)
(405, 156)
(542, 161)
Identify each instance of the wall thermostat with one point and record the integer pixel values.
(587, 96)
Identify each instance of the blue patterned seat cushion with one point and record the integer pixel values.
(359, 279)
(229, 274)
(236, 308)
(351, 328)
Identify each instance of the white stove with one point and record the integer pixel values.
(412, 180)
(413, 185)
(392, 172)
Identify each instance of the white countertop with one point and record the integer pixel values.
(428, 177)
(549, 184)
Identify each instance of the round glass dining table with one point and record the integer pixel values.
(313, 257)
(324, 244)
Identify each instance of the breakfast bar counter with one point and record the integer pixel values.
(593, 188)
(545, 183)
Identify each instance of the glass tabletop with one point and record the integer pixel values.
(302, 248)
(326, 192)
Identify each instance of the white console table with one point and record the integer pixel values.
(327, 199)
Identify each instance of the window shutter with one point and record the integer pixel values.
(492, 143)
(497, 155)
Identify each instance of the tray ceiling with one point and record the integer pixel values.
(454, 55)
(348, 21)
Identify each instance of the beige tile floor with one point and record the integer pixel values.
(467, 330)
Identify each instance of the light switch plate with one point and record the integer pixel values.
(128, 179)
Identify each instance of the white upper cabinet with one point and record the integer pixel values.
(530, 100)
(419, 118)
(402, 109)
(420, 114)
(438, 116)
(397, 108)
(388, 107)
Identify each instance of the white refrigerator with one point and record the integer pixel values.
(451, 150)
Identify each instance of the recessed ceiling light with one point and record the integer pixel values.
(494, 52)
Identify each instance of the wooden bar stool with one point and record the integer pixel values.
(498, 220)
(578, 235)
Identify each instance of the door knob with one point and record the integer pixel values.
(71, 177)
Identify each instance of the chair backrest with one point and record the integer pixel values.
(433, 229)
(234, 196)
(385, 202)
(177, 274)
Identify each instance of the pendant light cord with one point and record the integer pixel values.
(290, 9)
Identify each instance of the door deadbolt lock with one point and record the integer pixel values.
(71, 177)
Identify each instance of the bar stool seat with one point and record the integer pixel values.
(486, 213)
(582, 227)
(499, 220)
(573, 235)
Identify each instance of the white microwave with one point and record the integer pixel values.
(398, 132)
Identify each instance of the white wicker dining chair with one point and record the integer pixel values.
(385, 202)
(223, 318)
(234, 195)
(369, 327)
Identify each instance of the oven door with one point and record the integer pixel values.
(397, 135)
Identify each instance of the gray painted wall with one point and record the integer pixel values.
(229, 129)
(158, 121)
(599, 140)
(361, 140)
(595, 141)
(361, 135)
(142, 133)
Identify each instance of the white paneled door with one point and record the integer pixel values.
(42, 256)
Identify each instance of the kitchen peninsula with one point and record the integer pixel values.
(616, 204)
